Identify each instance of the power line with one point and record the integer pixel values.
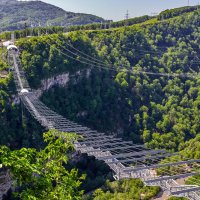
(82, 53)
(122, 69)
(145, 51)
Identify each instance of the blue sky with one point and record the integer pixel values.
(116, 9)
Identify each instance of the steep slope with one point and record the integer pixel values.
(18, 14)
(160, 111)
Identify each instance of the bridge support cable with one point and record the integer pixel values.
(103, 144)
(105, 141)
(162, 165)
(116, 165)
(185, 191)
(164, 178)
(131, 154)
(89, 134)
(95, 137)
(133, 158)
(92, 139)
(19, 75)
(116, 148)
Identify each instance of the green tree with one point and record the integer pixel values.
(132, 189)
(177, 198)
(42, 174)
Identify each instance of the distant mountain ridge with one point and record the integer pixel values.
(16, 15)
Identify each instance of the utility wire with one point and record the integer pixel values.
(137, 51)
(183, 75)
(81, 52)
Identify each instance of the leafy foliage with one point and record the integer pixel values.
(42, 174)
(15, 130)
(26, 31)
(163, 112)
(48, 58)
(177, 198)
(132, 189)
(192, 148)
(110, 24)
(16, 127)
(97, 172)
(176, 12)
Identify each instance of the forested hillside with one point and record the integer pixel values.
(15, 15)
(144, 86)
(126, 189)
(16, 129)
(162, 112)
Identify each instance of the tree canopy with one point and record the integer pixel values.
(42, 174)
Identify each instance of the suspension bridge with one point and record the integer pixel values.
(127, 160)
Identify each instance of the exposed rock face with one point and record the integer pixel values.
(61, 80)
(5, 183)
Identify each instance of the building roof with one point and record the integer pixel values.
(11, 47)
